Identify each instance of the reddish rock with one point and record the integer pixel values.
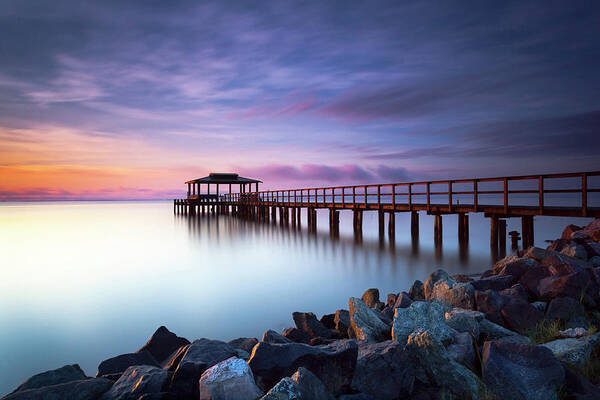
(515, 293)
(568, 231)
(309, 323)
(520, 316)
(496, 282)
(558, 265)
(531, 279)
(297, 335)
(490, 303)
(576, 285)
(391, 299)
(593, 230)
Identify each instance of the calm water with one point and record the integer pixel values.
(85, 281)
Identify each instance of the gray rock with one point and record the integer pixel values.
(436, 367)
(463, 320)
(495, 282)
(231, 379)
(171, 363)
(573, 351)
(122, 362)
(333, 364)
(575, 250)
(342, 322)
(457, 294)
(417, 291)
(356, 396)
(87, 389)
(518, 371)
(328, 320)
(513, 265)
(595, 261)
(67, 373)
(162, 344)
(365, 323)
(383, 370)
(200, 355)
(461, 350)
(437, 276)
(371, 297)
(492, 331)
(579, 388)
(309, 386)
(297, 335)
(136, 381)
(403, 300)
(421, 314)
(246, 344)
(309, 323)
(271, 336)
(540, 305)
(567, 310)
(285, 389)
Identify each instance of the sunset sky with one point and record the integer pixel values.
(128, 99)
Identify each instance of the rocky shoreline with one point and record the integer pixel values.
(525, 329)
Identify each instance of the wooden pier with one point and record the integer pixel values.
(437, 198)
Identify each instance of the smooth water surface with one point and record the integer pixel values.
(85, 281)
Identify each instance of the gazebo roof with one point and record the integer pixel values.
(225, 178)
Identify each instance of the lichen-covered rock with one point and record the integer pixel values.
(121, 362)
(574, 351)
(87, 389)
(285, 389)
(442, 288)
(371, 297)
(365, 323)
(333, 364)
(163, 343)
(136, 381)
(436, 367)
(518, 371)
(436, 276)
(463, 320)
(421, 314)
(231, 379)
(67, 373)
(309, 386)
(383, 370)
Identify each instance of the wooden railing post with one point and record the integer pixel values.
(475, 195)
(584, 193)
(353, 196)
(410, 196)
(378, 196)
(394, 197)
(366, 201)
(428, 197)
(450, 196)
(541, 193)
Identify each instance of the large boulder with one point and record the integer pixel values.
(421, 314)
(450, 292)
(579, 388)
(136, 381)
(593, 230)
(171, 363)
(328, 320)
(435, 366)
(200, 355)
(309, 323)
(162, 344)
(342, 322)
(531, 279)
(436, 276)
(309, 386)
(67, 373)
(417, 291)
(463, 320)
(567, 233)
(577, 285)
(122, 362)
(383, 370)
(490, 303)
(246, 344)
(271, 336)
(297, 335)
(333, 364)
(520, 371)
(515, 293)
(365, 323)
(495, 282)
(568, 311)
(491, 331)
(371, 297)
(87, 389)
(462, 350)
(513, 265)
(521, 316)
(573, 351)
(403, 300)
(231, 379)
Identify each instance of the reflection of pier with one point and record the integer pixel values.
(438, 198)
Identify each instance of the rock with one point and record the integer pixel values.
(579, 388)
(387, 315)
(540, 306)
(87, 389)
(67, 373)
(595, 262)
(513, 265)
(162, 344)
(532, 278)
(567, 233)
(436, 367)
(317, 341)
(328, 320)
(490, 303)
(391, 299)
(122, 362)
(541, 255)
(515, 293)
(271, 336)
(417, 291)
(520, 371)
(560, 265)
(342, 322)
(567, 310)
(231, 379)
(573, 351)
(461, 350)
(450, 292)
(521, 316)
(492, 331)
(403, 300)
(573, 333)
(285, 389)
(576, 285)
(463, 320)
(371, 297)
(355, 396)
(136, 381)
(593, 230)
(496, 282)
(309, 323)
(365, 323)
(421, 314)
(575, 250)
(297, 335)
(200, 355)
(486, 274)
(462, 278)
(246, 344)
(333, 364)
(437, 276)
(383, 370)
(309, 386)
(243, 354)
(171, 363)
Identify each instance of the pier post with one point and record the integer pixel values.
(358, 222)
(437, 229)
(293, 217)
(298, 219)
(312, 219)
(527, 231)
(274, 214)
(502, 237)
(334, 222)
(414, 225)
(494, 233)
(392, 226)
(381, 219)
(463, 228)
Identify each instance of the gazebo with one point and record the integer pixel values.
(217, 179)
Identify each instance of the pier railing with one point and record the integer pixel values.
(444, 196)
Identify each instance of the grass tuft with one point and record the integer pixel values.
(545, 331)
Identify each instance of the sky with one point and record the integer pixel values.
(129, 99)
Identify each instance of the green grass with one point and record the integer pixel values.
(545, 331)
